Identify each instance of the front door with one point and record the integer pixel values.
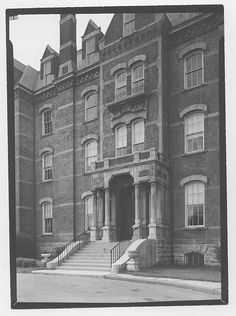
(125, 212)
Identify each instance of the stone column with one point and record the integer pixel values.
(107, 228)
(137, 199)
(100, 212)
(153, 215)
(94, 228)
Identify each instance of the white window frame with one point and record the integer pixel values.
(44, 204)
(128, 23)
(90, 167)
(88, 204)
(46, 124)
(190, 55)
(89, 107)
(137, 85)
(46, 168)
(121, 150)
(120, 87)
(138, 146)
(187, 206)
(193, 135)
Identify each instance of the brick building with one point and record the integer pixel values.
(122, 136)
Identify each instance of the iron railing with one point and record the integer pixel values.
(119, 249)
(73, 246)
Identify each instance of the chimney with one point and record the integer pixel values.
(68, 51)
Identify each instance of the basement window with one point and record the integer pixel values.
(194, 259)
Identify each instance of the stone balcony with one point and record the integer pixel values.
(130, 159)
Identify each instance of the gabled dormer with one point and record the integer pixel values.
(90, 49)
(49, 66)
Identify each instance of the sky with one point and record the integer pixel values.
(30, 34)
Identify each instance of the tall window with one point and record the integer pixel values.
(90, 49)
(47, 70)
(120, 85)
(194, 69)
(90, 155)
(47, 166)
(91, 106)
(121, 140)
(194, 132)
(47, 122)
(138, 135)
(194, 204)
(88, 211)
(47, 218)
(128, 23)
(137, 79)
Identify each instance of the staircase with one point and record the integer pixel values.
(95, 256)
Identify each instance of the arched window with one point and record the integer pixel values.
(121, 140)
(47, 166)
(47, 122)
(137, 78)
(120, 85)
(91, 106)
(194, 204)
(47, 218)
(194, 69)
(138, 135)
(194, 132)
(90, 155)
(88, 211)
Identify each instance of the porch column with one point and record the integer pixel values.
(153, 218)
(137, 198)
(107, 228)
(94, 228)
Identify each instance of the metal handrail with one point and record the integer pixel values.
(118, 250)
(69, 248)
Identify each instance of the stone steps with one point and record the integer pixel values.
(95, 256)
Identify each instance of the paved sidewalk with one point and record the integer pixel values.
(202, 286)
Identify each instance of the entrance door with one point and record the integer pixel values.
(123, 189)
(125, 213)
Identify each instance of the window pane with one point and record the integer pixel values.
(193, 70)
(138, 73)
(47, 67)
(139, 132)
(90, 45)
(91, 100)
(121, 80)
(121, 138)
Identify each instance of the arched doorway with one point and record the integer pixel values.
(122, 204)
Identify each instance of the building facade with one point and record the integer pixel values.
(121, 137)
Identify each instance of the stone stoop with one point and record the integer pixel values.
(93, 257)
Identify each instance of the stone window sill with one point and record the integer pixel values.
(192, 88)
(46, 235)
(45, 135)
(86, 122)
(194, 153)
(47, 181)
(194, 228)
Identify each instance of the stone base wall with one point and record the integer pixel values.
(163, 252)
(48, 247)
(209, 250)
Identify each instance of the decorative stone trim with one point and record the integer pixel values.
(117, 67)
(44, 107)
(44, 150)
(45, 199)
(68, 17)
(193, 178)
(129, 118)
(89, 88)
(135, 59)
(85, 194)
(194, 107)
(89, 136)
(188, 49)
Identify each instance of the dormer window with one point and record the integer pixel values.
(128, 23)
(90, 49)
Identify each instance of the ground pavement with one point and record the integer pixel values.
(38, 287)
